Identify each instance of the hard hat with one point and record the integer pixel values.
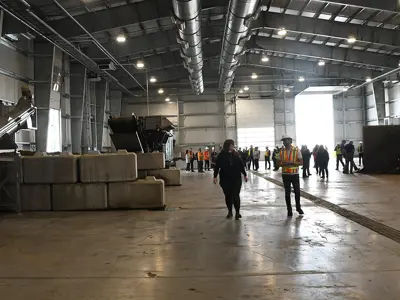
(361, 142)
(285, 137)
(206, 148)
(25, 88)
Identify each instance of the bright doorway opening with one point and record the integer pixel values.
(314, 119)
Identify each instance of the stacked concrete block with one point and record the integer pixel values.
(153, 164)
(171, 177)
(79, 196)
(147, 193)
(36, 197)
(42, 169)
(150, 161)
(120, 166)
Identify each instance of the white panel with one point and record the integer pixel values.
(255, 113)
(16, 62)
(207, 107)
(199, 121)
(202, 136)
(140, 110)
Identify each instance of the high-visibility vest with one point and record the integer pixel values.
(200, 156)
(360, 149)
(338, 151)
(267, 153)
(292, 156)
(206, 155)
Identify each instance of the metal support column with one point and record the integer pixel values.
(78, 94)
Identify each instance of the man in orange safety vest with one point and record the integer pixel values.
(207, 159)
(290, 159)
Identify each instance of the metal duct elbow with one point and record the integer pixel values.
(237, 32)
(188, 21)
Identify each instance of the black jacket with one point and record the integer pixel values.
(230, 167)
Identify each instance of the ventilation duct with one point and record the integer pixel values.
(188, 21)
(237, 32)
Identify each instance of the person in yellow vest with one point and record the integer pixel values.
(290, 159)
(200, 160)
(267, 158)
(207, 159)
(339, 156)
(191, 158)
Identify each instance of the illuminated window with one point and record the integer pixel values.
(54, 131)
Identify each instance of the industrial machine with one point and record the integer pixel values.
(143, 134)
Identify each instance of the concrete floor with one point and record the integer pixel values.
(373, 196)
(192, 252)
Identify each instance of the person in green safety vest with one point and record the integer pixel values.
(339, 156)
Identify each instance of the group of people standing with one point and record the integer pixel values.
(205, 159)
(346, 151)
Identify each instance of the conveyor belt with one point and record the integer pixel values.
(17, 122)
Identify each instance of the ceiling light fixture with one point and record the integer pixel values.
(167, 99)
(140, 64)
(301, 78)
(321, 63)
(240, 91)
(287, 90)
(254, 76)
(264, 59)
(368, 79)
(161, 91)
(246, 88)
(351, 40)
(282, 32)
(121, 38)
(394, 81)
(153, 79)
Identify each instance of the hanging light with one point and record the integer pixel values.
(153, 79)
(321, 63)
(368, 79)
(301, 78)
(246, 88)
(287, 90)
(265, 59)
(140, 64)
(351, 40)
(121, 38)
(254, 76)
(240, 91)
(160, 91)
(282, 31)
(167, 99)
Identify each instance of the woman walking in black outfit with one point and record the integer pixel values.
(230, 168)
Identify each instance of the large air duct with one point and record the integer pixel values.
(237, 33)
(188, 21)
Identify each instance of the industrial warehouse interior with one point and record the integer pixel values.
(199, 149)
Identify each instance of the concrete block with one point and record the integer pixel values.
(50, 169)
(171, 177)
(36, 197)
(147, 193)
(79, 196)
(150, 161)
(115, 167)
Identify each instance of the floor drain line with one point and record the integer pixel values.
(380, 228)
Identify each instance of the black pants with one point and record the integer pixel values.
(288, 181)
(207, 165)
(267, 161)
(275, 166)
(232, 194)
(323, 169)
(350, 165)
(256, 164)
(191, 165)
(360, 158)
(188, 166)
(339, 158)
(306, 169)
(200, 165)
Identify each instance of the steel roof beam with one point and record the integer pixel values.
(327, 53)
